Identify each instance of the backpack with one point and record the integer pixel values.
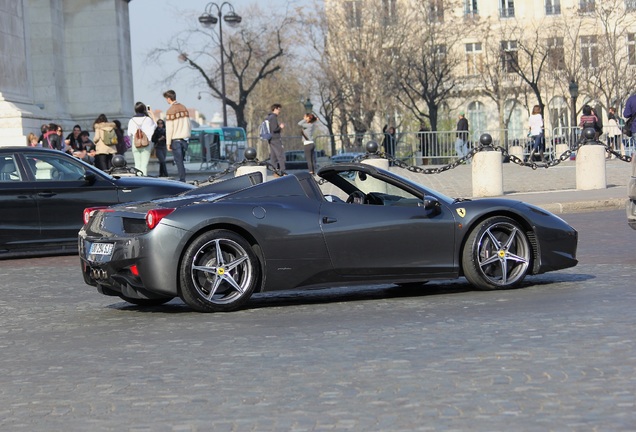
(110, 137)
(140, 139)
(263, 131)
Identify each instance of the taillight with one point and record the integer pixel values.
(153, 217)
(89, 212)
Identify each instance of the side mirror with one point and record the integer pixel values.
(90, 177)
(432, 204)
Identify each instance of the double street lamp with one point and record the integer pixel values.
(208, 20)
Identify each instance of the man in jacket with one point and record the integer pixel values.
(276, 150)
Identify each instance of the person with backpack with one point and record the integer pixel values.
(276, 149)
(105, 140)
(140, 129)
(590, 120)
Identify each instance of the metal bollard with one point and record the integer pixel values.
(251, 165)
(378, 162)
(487, 170)
(590, 163)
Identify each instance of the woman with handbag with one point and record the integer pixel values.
(140, 129)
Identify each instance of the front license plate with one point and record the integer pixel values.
(101, 249)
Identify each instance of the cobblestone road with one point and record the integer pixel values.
(557, 355)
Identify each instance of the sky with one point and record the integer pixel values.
(152, 24)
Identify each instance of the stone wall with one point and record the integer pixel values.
(62, 61)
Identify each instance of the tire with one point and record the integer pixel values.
(146, 302)
(497, 254)
(219, 272)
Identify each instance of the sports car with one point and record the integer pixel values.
(217, 245)
(43, 193)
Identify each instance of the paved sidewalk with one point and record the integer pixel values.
(553, 189)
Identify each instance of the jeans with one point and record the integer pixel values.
(460, 148)
(277, 154)
(161, 153)
(179, 149)
(142, 157)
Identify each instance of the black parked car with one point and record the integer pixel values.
(216, 245)
(43, 193)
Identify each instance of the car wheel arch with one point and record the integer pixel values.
(474, 224)
(246, 234)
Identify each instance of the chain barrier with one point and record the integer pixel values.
(460, 161)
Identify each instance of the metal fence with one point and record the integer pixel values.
(434, 148)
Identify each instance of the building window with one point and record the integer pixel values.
(389, 11)
(470, 8)
(506, 8)
(559, 117)
(553, 7)
(589, 52)
(631, 49)
(436, 11)
(473, 58)
(513, 116)
(353, 12)
(556, 53)
(476, 116)
(630, 5)
(509, 56)
(587, 6)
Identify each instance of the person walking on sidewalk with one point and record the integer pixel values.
(537, 133)
(276, 149)
(177, 131)
(462, 135)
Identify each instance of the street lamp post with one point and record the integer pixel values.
(574, 93)
(308, 106)
(208, 20)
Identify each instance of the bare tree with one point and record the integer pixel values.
(253, 53)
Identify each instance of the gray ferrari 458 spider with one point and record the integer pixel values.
(216, 245)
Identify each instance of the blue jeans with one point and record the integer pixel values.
(179, 149)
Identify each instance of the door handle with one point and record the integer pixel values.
(328, 220)
(46, 194)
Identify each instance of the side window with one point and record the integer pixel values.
(52, 167)
(9, 170)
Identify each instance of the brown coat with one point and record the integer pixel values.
(100, 146)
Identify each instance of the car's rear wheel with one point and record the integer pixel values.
(218, 272)
(146, 302)
(497, 254)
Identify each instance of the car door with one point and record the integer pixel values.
(19, 217)
(399, 238)
(62, 193)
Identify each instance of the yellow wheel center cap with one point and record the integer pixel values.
(502, 253)
(220, 271)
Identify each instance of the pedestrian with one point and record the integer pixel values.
(87, 151)
(105, 140)
(424, 135)
(308, 128)
(276, 149)
(389, 142)
(589, 120)
(33, 141)
(462, 135)
(177, 131)
(614, 132)
(73, 140)
(159, 141)
(121, 146)
(142, 121)
(51, 138)
(535, 123)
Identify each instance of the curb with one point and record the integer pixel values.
(582, 206)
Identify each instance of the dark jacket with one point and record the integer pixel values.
(274, 127)
(462, 129)
(630, 110)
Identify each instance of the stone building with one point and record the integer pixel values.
(63, 61)
(505, 57)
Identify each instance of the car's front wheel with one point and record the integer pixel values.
(219, 272)
(497, 254)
